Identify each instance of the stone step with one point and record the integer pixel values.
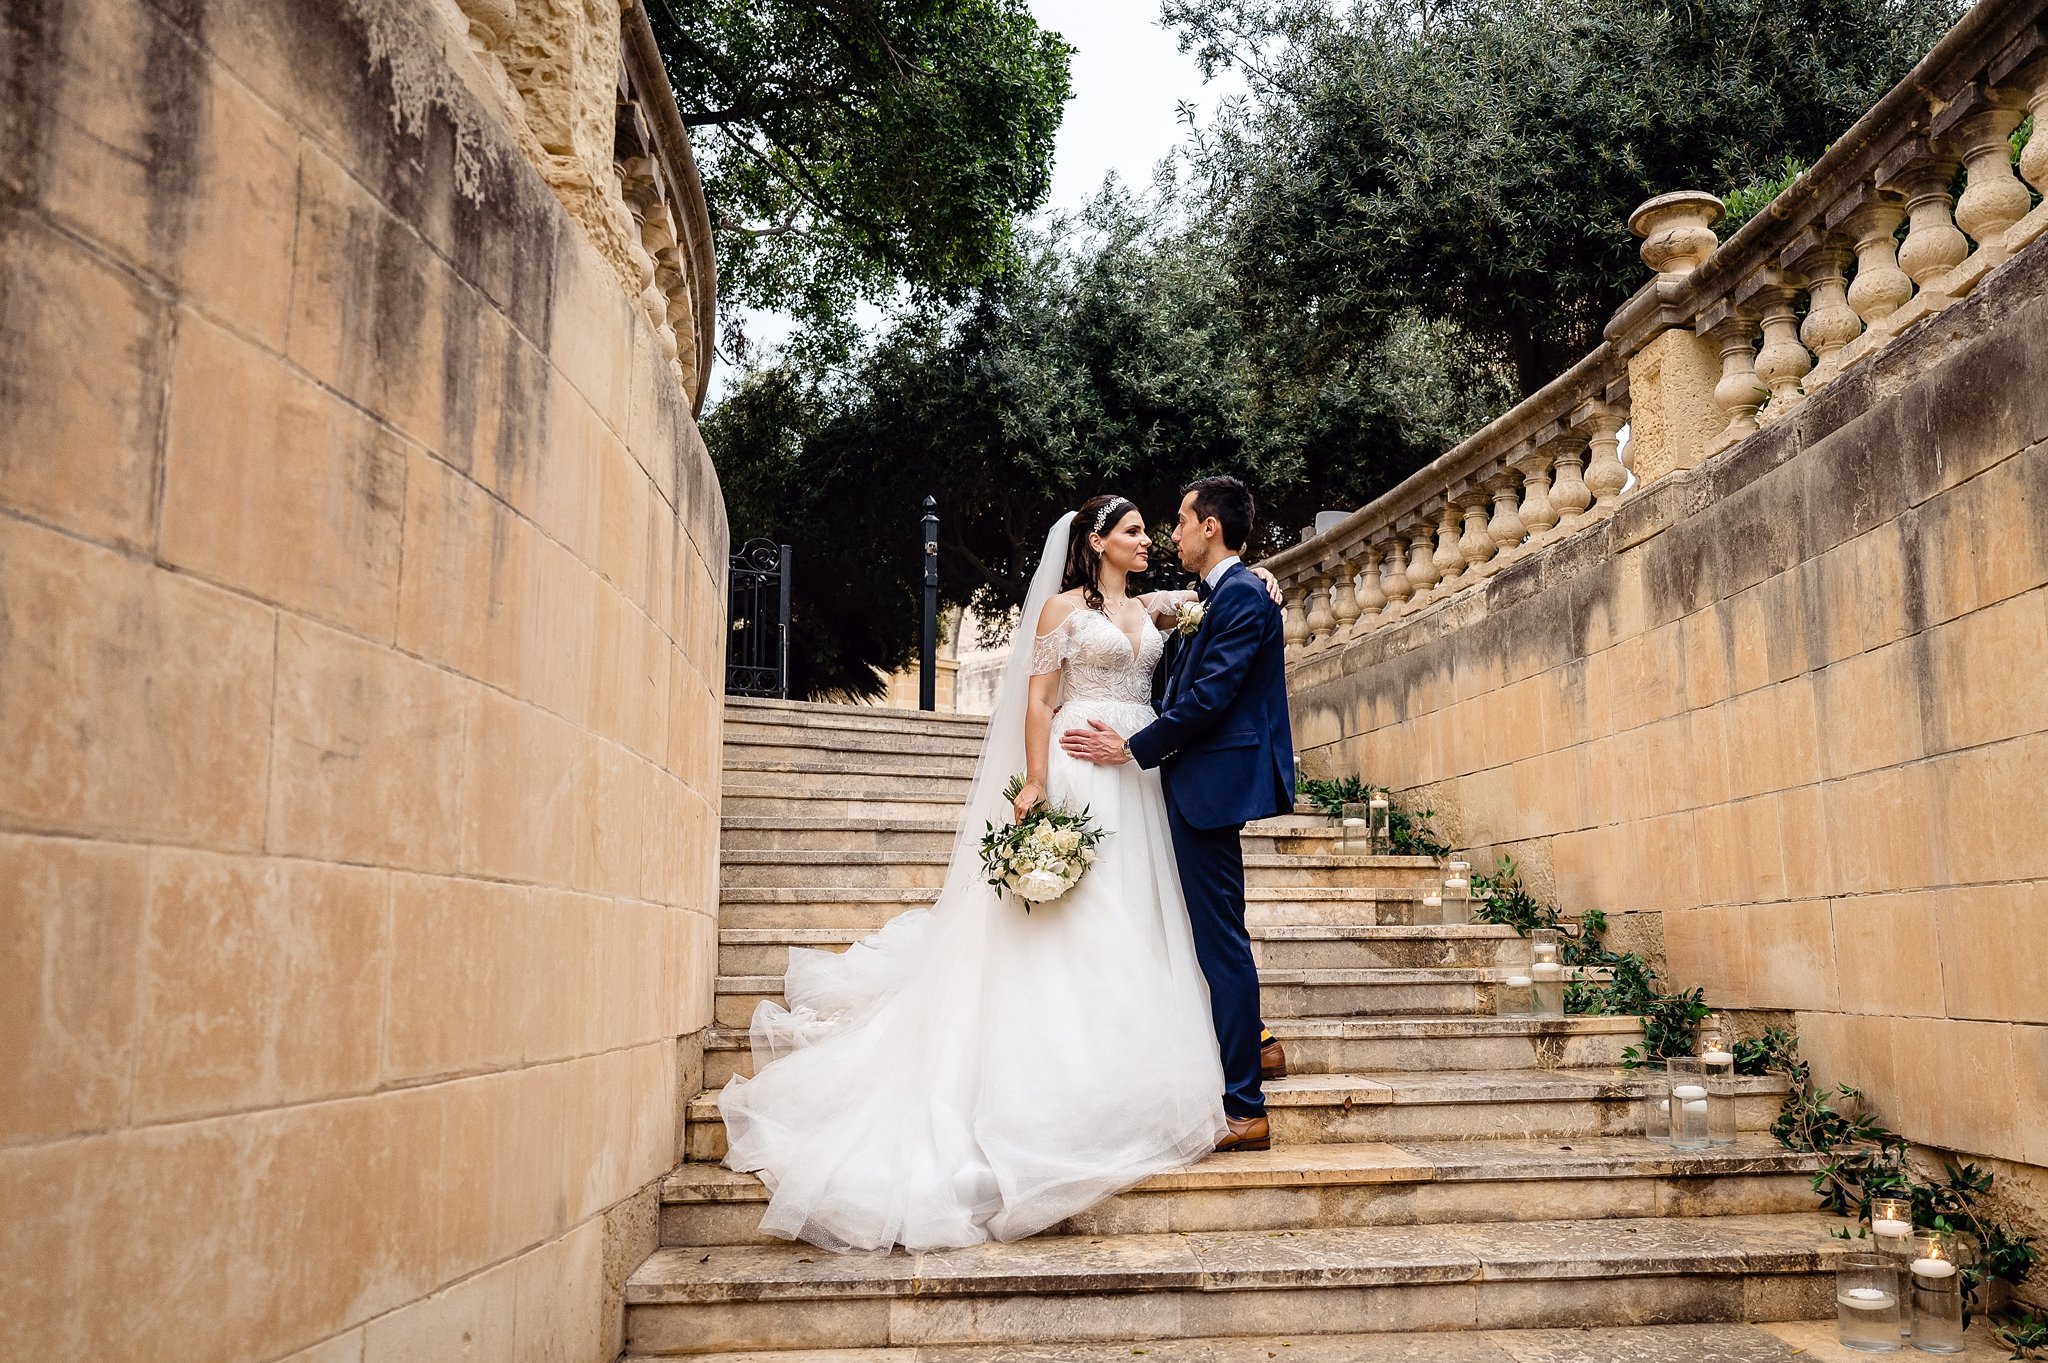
(796, 825)
(1363, 1184)
(755, 759)
(853, 742)
(1349, 1045)
(825, 797)
(849, 778)
(765, 950)
(1522, 1104)
(1800, 1341)
(757, 866)
(864, 910)
(817, 715)
(1453, 991)
(1060, 1289)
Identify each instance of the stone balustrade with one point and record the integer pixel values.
(592, 109)
(1728, 338)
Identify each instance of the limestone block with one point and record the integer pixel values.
(1673, 418)
(501, 1165)
(1890, 955)
(565, 970)
(1994, 949)
(274, 486)
(618, 824)
(1982, 541)
(1978, 662)
(1870, 707)
(1955, 1085)
(460, 996)
(624, 498)
(629, 677)
(1886, 831)
(344, 1348)
(135, 698)
(1986, 829)
(592, 323)
(262, 983)
(560, 1287)
(696, 969)
(174, 198)
(1807, 861)
(70, 931)
(82, 409)
(1703, 654)
(1862, 585)
(695, 721)
(1725, 856)
(368, 750)
(1709, 948)
(473, 1319)
(529, 792)
(2030, 1079)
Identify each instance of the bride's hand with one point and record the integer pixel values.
(1272, 586)
(1031, 795)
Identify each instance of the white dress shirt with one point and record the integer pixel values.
(1215, 574)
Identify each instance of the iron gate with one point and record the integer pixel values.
(757, 601)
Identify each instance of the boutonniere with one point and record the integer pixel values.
(1188, 618)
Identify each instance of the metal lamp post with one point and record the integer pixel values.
(927, 675)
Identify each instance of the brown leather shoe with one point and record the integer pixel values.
(1247, 1133)
(1272, 1062)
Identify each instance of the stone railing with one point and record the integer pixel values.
(1727, 338)
(591, 107)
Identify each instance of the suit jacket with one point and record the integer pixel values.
(1222, 740)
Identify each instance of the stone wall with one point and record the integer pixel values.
(360, 639)
(1790, 703)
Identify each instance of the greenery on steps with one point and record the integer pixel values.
(1862, 1158)
(1408, 830)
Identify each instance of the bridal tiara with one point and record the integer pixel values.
(1102, 516)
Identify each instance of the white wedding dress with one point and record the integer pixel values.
(973, 1071)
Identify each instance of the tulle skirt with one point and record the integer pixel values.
(974, 1071)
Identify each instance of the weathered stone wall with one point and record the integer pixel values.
(360, 635)
(1792, 703)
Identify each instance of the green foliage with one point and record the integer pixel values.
(1748, 200)
(1862, 1158)
(1476, 160)
(1771, 1053)
(852, 146)
(1409, 833)
(2026, 1335)
(1051, 844)
(1501, 898)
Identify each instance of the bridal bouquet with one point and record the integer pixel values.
(1043, 855)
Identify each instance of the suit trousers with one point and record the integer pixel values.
(1211, 862)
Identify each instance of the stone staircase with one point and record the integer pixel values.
(1435, 1168)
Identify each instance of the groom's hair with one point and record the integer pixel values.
(1230, 502)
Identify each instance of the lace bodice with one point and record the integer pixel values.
(1097, 658)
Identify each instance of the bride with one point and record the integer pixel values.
(973, 1071)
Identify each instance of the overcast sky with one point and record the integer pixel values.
(1127, 78)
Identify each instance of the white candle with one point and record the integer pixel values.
(1719, 1057)
(1354, 823)
(1376, 803)
(1548, 970)
(1455, 885)
(1934, 1268)
(1889, 1228)
(1519, 981)
(1867, 1298)
(1688, 1092)
(1433, 899)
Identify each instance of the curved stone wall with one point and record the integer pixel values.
(361, 633)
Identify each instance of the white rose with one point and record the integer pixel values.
(1040, 886)
(1067, 840)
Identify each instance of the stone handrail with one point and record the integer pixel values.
(1682, 364)
(591, 108)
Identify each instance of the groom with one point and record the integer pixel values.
(1226, 757)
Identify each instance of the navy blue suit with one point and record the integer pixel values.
(1226, 757)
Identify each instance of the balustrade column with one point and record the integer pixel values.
(1740, 392)
(2034, 158)
(1505, 529)
(1321, 621)
(1880, 288)
(1394, 577)
(1293, 622)
(1568, 491)
(1606, 475)
(1372, 596)
(1449, 558)
(1344, 601)
(1781, 362)
(1538, 516)
(1422, 572)
(1993, 197)
(1830, 322)
(1477, 545)
(1934, 245)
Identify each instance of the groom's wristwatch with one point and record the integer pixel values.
(1126, 746)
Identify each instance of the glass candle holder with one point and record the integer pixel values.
(1546, 972)
(1432, 910)
(1719, 1065)
(1867, 1291)
(1656, 1104)
(1354, 833)
(1512, 996)
(1937, 1278)
(1689, 1129)
(1380, 816)
(1458, 893)
(1891, 1232)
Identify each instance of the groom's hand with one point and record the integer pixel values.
(1097, 743)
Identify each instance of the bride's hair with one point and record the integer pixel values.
(1097, 516)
